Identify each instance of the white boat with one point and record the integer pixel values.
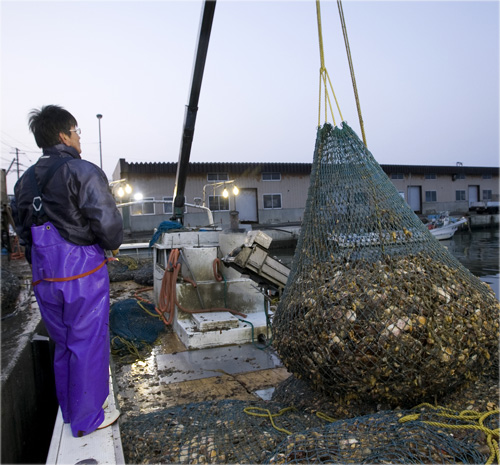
(446, 228)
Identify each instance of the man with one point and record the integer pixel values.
(67, 218)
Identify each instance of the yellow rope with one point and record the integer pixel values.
(147, 311)
(468, 416)
(351, 68)
(324, 78)
(325, 417)
(130, 347)
(270, 415)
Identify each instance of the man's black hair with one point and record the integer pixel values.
(48, 122)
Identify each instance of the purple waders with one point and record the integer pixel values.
(76, 315)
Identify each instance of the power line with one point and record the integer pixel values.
(26, 147)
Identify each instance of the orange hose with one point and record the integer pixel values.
(216, 267)
(168, 295)
(166, 301)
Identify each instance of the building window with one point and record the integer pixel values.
(460, 176)
(397, 176)
(431, 176)
(272, 201)
(430, 196)
(218, 203)
(169, 205)
(146, 207)
(459, 195)
(487, 195)
(271, 176)
(217, 177)
(486, 176)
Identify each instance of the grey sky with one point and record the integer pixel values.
(427, 75)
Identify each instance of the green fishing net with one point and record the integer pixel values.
(236, 431)
(133, 326)
(375, 308)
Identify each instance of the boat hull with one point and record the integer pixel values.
(447, 232)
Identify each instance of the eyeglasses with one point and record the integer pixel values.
(77, 130)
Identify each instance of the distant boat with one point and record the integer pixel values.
(444, 227)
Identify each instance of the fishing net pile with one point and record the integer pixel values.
(394, 437)
(375, 309)
(122, 269)
(133, 325)
(233, 431)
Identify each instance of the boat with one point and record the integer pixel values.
(443, 226)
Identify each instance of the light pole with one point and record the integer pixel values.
(99, 116)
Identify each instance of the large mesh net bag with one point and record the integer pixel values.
(375, 308)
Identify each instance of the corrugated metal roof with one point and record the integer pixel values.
(292, 168)
(215, 167)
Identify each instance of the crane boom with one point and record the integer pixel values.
(192, 109)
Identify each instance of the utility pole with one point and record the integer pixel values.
(17, 161)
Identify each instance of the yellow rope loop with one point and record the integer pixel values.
(413, 417)
(466, 415)
(334, 96)
(322, 83)
(495, 454)
(248, 411)
(486, 415)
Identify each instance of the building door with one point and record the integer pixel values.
(415, 198)
(246, 205)
(473, 194)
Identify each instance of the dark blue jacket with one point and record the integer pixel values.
(77, 201)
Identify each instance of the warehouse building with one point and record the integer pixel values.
(276, 193)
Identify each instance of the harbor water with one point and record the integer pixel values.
(478, 252)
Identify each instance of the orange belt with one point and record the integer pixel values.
(78, 276)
